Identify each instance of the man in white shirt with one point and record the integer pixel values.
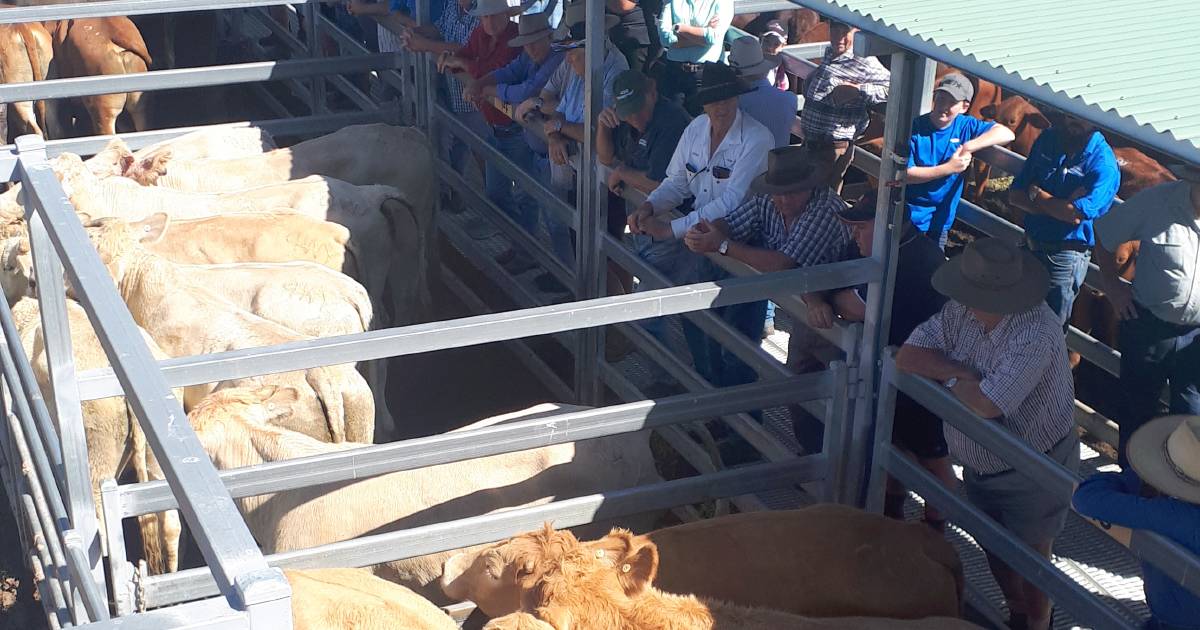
(719, 154)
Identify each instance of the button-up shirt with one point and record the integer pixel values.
(1093, 170)
(522, 78)
(1168, 265)
(774, 108)
(483, 54)
(1023, 362)
(741, 156)
(824, 121)
(1114, 498)
(695, 13)
(455, 26)
(816, 237)
(568, 86)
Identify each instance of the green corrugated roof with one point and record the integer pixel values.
(1133, 67)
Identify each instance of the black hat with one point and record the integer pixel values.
(863, 210)
(629, 92)
(717, 83)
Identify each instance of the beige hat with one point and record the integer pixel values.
(995, 276)
(481, 8)
(530, 28)
(1165, 453)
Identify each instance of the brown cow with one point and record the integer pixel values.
(25, 52)
(103, 46)
(567, 585)
(1025, 120)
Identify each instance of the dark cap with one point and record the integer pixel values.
(863, 210)
(956, 85)
(629, 92)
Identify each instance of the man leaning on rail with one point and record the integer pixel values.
(1161, 494)
(1159, 337)
(718, 156)
(999, 349)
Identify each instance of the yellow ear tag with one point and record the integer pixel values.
(600, 553)
(625, 568)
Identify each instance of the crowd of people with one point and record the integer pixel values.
(708, 136)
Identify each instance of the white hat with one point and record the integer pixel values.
(1165, 452)
(746, 56)
(481, 8)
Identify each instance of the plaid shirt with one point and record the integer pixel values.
(1023, 361)
(816, 237)
(824, 121)
(456, 25)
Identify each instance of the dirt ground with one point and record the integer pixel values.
(19, 607)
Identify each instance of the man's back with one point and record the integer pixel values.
(774, 108)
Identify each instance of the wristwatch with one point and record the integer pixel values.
(558, 123)
(538, 102)
(1033, 193)
(950, 382)
(723, 248)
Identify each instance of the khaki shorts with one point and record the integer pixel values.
(1022, 505)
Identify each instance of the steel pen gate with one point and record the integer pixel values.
(46, 473)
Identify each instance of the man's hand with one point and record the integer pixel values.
(820, 314)
(608, 118)
(447, 62)
(703, 238)
(526, 106)
(713, 23)
(356, 7)
(644, 211)
(472, 92)
(1120, 295)
(550, 124)
(657, 228)
(616, 184)
(557, 146)
(959, 161)
(843, 94)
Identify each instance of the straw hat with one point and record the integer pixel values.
(995, 276)
(790, 169)
(530, 28)
(1165, 452)
(746, 55)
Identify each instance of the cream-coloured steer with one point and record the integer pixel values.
(233, 427)
(353, 599)
(187, 319)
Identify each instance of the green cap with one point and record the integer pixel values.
(629, 92)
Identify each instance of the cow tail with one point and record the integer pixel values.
(35, 65)
(330, 397)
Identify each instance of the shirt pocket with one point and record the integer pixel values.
(1164, 265)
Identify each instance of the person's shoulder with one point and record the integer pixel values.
(755, 131)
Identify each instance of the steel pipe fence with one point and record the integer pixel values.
(391, 546)
(109, 8)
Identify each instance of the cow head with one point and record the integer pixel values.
(16, 268)
(1024, 119)
(149, 169)
(262, 405)
(117, 241)
(112, 161)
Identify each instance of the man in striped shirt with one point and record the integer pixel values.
(999, 349)
(837, 98)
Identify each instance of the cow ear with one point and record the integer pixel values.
(1038, 119)
(152, 228)
(988, 112)
(640, 567)
(280, 401)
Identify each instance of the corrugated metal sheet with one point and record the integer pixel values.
(1133, 67)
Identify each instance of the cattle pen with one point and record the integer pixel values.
(82, 566)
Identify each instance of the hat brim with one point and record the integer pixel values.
(528, 38)
(760, 186)
(1148, 455)
(562, 34)
(712, 95)
(1029, 291)
(1184, 173)
(769, 63)
(951, 92)
(630, 107)
(510, 11)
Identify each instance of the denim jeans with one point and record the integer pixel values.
(501, 189)
(1067, 271)
(458, 151)
(562, 182)
(1156, 353)
(770, 312)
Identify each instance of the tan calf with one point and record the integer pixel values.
(353, 599)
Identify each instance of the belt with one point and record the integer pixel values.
(507, 131)
(1061, 246)
(827, 144)
(687, 66)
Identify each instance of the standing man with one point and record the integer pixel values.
(916, 430)
(1160, 313)
(774, 108)
(940, 151)
(718, 156)
(791, 221)
(838, 96)
(1069, 179)
(631, 35)
(692, 33)
(1000, 351)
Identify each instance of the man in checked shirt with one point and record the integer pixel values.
(837, 98)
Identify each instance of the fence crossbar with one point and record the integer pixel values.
(108, 8)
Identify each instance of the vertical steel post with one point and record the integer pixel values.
(908, 87)
(64, 403)
(424, 76)
(120, 571)
(312, 28)
(593, 202)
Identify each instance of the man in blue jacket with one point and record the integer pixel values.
(1165, 453)
(1069, 180)
(940, 151)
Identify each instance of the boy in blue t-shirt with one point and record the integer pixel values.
(940, 152)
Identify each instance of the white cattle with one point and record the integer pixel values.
(187, 319)
(353, 599)
(233, 428)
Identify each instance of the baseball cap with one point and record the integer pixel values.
(862, 210)
(956, 85)
(629, 92)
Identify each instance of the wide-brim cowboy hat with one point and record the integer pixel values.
(1165, 453)
(533, 26)
(747, 57)
(790, 169)
(573, 33)
(993, 276)
(717, 83)
(483, 8)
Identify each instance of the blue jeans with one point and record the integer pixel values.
(713, 361)
(1156, 353)
(459, 151)
(501, 189)
(770, 312)
(1067, 271)
(560, 180)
